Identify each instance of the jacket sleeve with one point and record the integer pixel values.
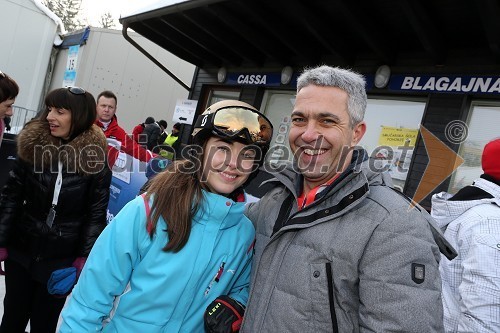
(399, 281)
(11, 199)
(132, 148)
(127, 146)
(107, 270)
(241, 287)
(99, 198)
(480, 285)
(162, 137)
(153, 138)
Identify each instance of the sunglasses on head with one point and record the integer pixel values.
(238, 122)
(76, 90)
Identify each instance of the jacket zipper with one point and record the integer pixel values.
(284, 224)
(331, 301)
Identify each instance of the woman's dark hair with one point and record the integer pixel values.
(8, 87)
(82, 106)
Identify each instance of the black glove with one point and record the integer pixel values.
(224, 315)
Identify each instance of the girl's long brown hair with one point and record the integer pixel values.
(177, 196)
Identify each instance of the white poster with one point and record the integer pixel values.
(185, 110)
(70, 72)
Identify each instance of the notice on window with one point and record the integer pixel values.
(397, 137)
(396, 156)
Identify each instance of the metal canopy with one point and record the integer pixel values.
(260, 33)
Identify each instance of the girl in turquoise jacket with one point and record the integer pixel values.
(167, 255)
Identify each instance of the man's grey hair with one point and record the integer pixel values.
(351, 82)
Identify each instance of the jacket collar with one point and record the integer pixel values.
(288, 174)
(445, 211)
(85, 154)
(219, 209)
(112, 125)
(342, 195)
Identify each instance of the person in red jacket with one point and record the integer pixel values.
(117, 138)
(137, 131)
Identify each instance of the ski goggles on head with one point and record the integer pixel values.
(235, 122)
(76, 90)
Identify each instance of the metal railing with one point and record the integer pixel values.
(20, 117)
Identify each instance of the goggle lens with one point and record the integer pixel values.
(232, 121)
(76, 90)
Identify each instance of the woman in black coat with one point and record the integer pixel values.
(53, 207)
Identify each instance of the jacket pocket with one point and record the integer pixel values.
(486, 255)
(331, 299)
(323, 297)
(492, 241)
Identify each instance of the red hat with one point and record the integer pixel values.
(490, 160)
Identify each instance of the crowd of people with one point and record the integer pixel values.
(332, 247)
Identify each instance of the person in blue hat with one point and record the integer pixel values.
(183, 247)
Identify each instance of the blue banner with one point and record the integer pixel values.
(128, 178)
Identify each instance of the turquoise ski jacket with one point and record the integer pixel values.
(130, 285)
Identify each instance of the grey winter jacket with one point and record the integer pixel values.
(356, 260)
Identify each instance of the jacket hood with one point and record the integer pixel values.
(445, 211)
(85, 154)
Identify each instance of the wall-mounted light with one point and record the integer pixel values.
(221, 74)
(286, 75)
(382, 76)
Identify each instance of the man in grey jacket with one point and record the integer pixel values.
(337, 249)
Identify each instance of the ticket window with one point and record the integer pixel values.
(482, 127)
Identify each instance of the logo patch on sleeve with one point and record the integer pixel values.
(417, 273)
